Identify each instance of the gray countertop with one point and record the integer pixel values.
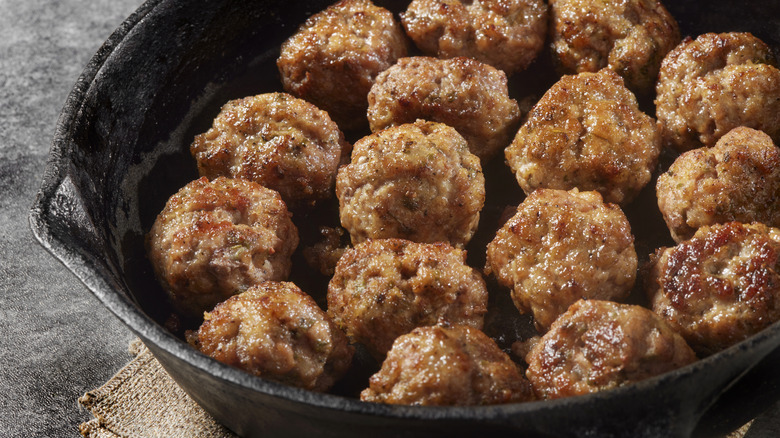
(58, 341)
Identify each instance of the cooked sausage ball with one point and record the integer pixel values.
(562, 246)
(715, 83)
(505, 34)
(277, 140)
(217, 238)
(276, 331)
(325, 253)
(719, 287)
(587, 132)
(738, 179)
(334, 58)
(416, 181)
(447, 365)
(466, 94)
(630, 37)
(599, 345)
(385, 288)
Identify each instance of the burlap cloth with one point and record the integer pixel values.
(142, 401)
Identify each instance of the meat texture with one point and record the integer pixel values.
(599, 345)
(719, 287)
(335, 56)
(505, 34)
(385, 288)
(447, 365)
(562, 246)
(278, 141)
(587, 132)
(715, 83)
(466, 94)
(217, 238)
(415, 181)
(631, 37)
(738, 179)
(276, 331)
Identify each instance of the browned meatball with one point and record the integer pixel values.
(276, 331)
(447, 365)
(416, 181)
(324, 254)
(466, 94)
(738, 179)
(384, 288)
(630, 37)
(505, 34)
(217, 238)
(719, 287)
(715, 83)
(279, 141)
(598, 345)
(560, 247)
(334, 58)
(587, 132)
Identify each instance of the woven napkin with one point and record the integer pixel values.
(143, 401)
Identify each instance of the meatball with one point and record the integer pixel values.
(334, 58)
(715, 83)
(587, 132)
(447, 365)
(217, 238)
(416, 181)
(630, 37)
(466, 94)
(560, 247)
(719, 287)
(385, 288)
(598, 345)
(738, 179)
(505, 34)
(324, 254)
(277, 140)
(276, 331)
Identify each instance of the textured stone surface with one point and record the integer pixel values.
(57, 340)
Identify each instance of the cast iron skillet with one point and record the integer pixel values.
(120, 149)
